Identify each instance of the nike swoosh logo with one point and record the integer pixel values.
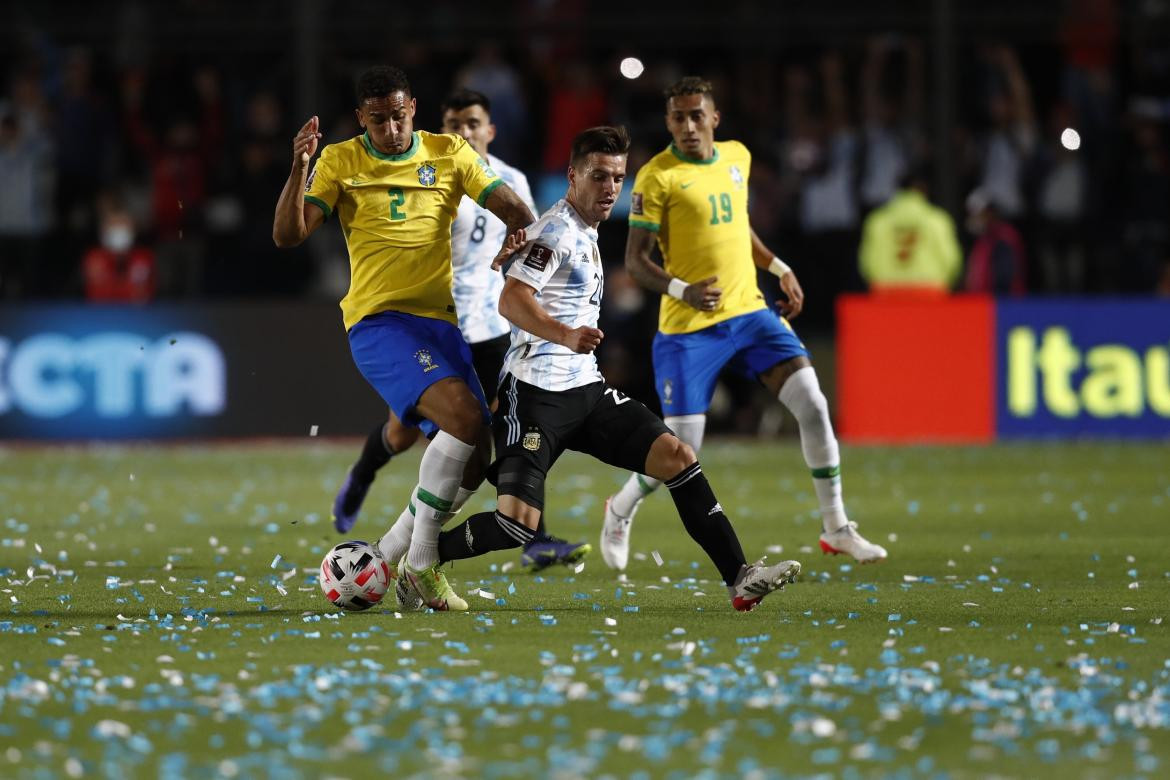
(684, 186)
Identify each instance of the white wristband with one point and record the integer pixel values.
(779, 267)
(676, 288)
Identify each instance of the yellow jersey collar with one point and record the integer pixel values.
(685, 158)
(414, 144)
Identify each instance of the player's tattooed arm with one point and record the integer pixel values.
(508, 206)
(294, 220)
(519, 306)
(789, 284)
(702, 295)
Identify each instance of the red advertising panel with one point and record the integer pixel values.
(915, 369)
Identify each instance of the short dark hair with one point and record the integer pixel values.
(380, 81)
(605, 140)
(466, 98)
(689, 85)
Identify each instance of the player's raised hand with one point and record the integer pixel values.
(583, 340)
(511, 246)
(703, 295)
(305, 143)
(791, 289)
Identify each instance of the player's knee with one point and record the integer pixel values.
(465, 421)
(398, 437)
(518, 478)
(681, 454)
(668, 457)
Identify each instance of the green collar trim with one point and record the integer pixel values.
(685, 158)
(414, 144)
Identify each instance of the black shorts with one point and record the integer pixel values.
(487, 357)
(532, 427)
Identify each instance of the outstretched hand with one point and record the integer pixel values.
(511, 246)
(305, 143)
(795, 295)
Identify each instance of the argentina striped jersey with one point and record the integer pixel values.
(476, 237)
(562, 263)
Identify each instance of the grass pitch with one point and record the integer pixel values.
(162, 618)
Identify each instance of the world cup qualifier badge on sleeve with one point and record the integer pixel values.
(538, 257)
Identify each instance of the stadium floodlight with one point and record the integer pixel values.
(632, 67)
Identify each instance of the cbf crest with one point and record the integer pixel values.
(426, 174)
(531, 441)
(667, 393)
(423, 356)
(736, 176)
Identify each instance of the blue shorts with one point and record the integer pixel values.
(686, 365)
(402, 355)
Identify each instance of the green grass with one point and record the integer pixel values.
(1016, 630)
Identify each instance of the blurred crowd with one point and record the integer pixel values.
(140, 178)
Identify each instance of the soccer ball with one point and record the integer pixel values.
(354, 576)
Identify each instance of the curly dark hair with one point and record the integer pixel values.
(380, 81)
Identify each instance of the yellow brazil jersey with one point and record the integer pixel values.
(396, 213)
(698, 208)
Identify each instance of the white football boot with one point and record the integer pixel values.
(757, 580)
(615, 537)
(846, 540)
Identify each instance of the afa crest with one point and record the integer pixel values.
(736, 176)
(426, 174)
(531, 441)
(425, 360)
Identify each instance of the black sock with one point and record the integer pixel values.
(704, 520)
(375, 455)
(482, 533)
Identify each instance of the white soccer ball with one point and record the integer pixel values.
(354, 576)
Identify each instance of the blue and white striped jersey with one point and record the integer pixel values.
(562, 262)
(476, 237)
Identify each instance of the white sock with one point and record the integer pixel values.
(689, 429)
(395, 542)
(802, 395)
(460, 499)
(439, 476)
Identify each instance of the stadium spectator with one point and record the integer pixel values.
(996, 264)
(27, 180)
(909, 244)
(118, 270)
(1061, 203)
(891, 111)
(823, 150)
(1011, 140)
(576, 101)
(1146, 195)
(490, 74)
(81, 112)
(180, 166)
